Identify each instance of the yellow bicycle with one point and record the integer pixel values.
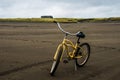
(80, 52)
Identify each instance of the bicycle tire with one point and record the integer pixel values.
(57, 61)
(80, 52)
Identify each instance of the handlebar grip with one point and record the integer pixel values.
(55, 21)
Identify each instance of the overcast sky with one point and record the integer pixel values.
(59, 8)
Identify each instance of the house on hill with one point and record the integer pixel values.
(46, 16)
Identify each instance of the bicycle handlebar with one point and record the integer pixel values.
(78, 34)
(68, 33)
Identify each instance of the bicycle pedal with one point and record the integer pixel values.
(65, 61)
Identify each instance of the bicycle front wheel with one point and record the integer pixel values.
(84, 52)
(56, 61)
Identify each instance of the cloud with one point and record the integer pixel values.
(60, 8)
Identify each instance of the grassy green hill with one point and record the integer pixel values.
(65, 20)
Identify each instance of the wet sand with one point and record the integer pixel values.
(27, 49)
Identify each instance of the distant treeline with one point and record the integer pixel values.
(64, 20)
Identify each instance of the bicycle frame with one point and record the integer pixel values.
(65, 45)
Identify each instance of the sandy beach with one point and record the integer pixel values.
(27, 49)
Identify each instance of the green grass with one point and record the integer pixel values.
(25, 20)
(102, 20)
(37, 20)
(65, 20)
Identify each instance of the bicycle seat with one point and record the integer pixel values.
(80, 35)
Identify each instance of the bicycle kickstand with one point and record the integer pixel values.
(75, 66)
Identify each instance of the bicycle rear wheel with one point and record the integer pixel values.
(84, 52)
(57, 60)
